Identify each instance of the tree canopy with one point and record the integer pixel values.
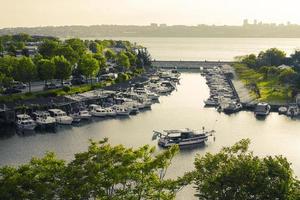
(235, 173)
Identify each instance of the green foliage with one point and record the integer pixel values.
(66, 89)
(110, 55)
(101, 60)
(25, 71)
(235, 173)
(63, 68)
(123, 60)
(68, 52)
(88, 66)
(46, 69)
(271, 57)
(48, 48)
(103, 172)
(77, 45)
(287, 75)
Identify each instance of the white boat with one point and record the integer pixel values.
(262, 109)
(122, 110)
(182, 137)
(232, 107)
(148, 94)
(97, 110)
(293, 111)
(282, 110)
(43, 119)
(81, 115)
(61, 117)
(110, 112)
(25, 122)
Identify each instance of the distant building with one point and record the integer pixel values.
(255, 22)
(154, 25)
(245, 23)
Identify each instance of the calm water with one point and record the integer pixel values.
(210, 48)
(184, 108)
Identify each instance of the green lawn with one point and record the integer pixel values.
(271, 89)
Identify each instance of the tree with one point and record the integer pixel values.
(46, 70)
(110, 55)
(95, 47)
(1, 47)
(77, 45)
(123, 60)
(68, 52)
(7, 65)
(249, 60)
(102, 172)
(271, 57)
(39, 179)
(101, 60)
(132, 57)
(143, 58)
(296, 57)
(235, 173)
(48, 48)
(287, 75)
(63, 68)
(25, 71)
(88, 66)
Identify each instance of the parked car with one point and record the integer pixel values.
(78, 80)
(50, 86)
(67, 83)
(19, 85)
(12, 91)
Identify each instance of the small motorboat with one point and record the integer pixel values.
(61, 117)
(97, 111)
(44, 120)
(232, 107)
(262, 109)
(182, 137)
(81, 115)
(25, 122)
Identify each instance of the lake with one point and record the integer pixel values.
(224, 49)
(276, 135)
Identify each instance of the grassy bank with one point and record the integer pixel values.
(268, 89)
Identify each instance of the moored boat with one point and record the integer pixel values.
(44, 120)
(25, 122)
(182, 137)
(262, 109)
(61, 117)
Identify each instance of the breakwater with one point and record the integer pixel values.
(189, 64)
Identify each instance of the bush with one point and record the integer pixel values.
(66, 89)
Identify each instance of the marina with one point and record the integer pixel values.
(183, 108)
(123, 102)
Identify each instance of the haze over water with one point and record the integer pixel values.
(194, 49)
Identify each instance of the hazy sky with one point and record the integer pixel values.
(141, 12)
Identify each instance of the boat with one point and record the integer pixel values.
(44, 120)
(232, 107)
(182, 137)
(282, 110)
(122, 110)
(25, 122)
(97, 110)
(293, 110)
(81, 115)
(262, 109)
(61, 117)
(110, 112)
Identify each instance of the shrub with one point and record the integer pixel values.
(66, 89)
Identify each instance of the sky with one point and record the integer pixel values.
(29, 13)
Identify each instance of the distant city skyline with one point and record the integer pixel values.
(32, 13)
